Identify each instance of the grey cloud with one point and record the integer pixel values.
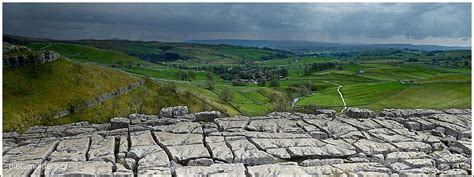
(298, 21)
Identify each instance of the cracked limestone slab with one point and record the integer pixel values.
(400, 156)
(362, 167)
(142, 138)
(453, 119)
(91, 168)
(154, 171)
(337, 128)
(372, 147)
(30, 152)
(413, 146)
(71, 150)
(419, 163)
(448, 157)
(181, 127)
(245, 152)
(288, 169)
(172, 139)
(217, 170)
(321, 162)
(283, 143)
(186, 152)
(219, 149)
(21, 168)
(102, 149)
(390, 124)
(274, 126)
(332, 148)
(451, 129)
(228, 123)
(155, 158)
(291, 169)
(361, 124)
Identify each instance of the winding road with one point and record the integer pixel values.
(342, 98)
(339, 86)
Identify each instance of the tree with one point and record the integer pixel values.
(279, 102)
(114, 108)
(262, 83)
(191, 75)
(466, 64)
(227, 96)
(274, 82)
(413, 60)
(209, 81)
(304, 90)
(136, 101)
(78, 70)
(180, 75)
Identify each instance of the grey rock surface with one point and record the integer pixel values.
(396, 143)
(174, 112)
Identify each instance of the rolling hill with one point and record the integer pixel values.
(311, 45)
(66, 91)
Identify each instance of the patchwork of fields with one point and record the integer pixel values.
(367, 82)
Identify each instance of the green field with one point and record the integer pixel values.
(373, 79)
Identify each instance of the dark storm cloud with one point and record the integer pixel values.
(348, 22)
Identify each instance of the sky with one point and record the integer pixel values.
(414, 23)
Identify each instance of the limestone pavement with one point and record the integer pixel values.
(394, 142)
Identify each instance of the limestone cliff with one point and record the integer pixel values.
(17, 56)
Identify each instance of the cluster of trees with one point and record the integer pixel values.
(316, 67)
(159, 57)
(185, 75)
(280, 102)
(274, 56)
(249, 72)
(459, 61)
(227, 96)
(209, 81)
(413, 60)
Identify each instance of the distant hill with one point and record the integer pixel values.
(310, 45)
(118, 52)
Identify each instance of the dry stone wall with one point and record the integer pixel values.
(179, 143)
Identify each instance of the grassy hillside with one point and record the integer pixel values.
(54, 86)
(89, 54)
(179, 52)
(150, 97)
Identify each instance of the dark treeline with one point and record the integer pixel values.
(316, 67)
(249, 72)
(185, 75)
(159, 57)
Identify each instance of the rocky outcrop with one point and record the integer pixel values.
(360, 113)
(174, 111)
(7, 47)
(28, 60)
(279, 143)
(408, 112)
(17, 56)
